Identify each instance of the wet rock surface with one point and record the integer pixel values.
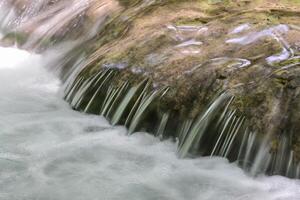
(200, 48)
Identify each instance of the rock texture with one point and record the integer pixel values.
(199, 48)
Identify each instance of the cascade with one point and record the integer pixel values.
(74, 127)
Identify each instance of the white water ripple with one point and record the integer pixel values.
(50, 152)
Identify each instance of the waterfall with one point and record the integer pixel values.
(43, 23)
(49, 151)
(70, 133)
(217, 131)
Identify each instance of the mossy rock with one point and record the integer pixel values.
(186, 45)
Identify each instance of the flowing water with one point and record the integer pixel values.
(50, 152)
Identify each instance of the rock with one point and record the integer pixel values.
(199, 48)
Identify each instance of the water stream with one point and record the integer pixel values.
(49, 151)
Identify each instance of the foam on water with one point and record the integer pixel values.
(48, 151)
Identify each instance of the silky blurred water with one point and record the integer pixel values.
(50, 152)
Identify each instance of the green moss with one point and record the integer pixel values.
(190, 21)
(243, 102)
(16, 37)
(288, 62)
(280, 82)
(127, 3)
(273, 18)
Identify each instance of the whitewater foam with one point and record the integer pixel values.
(49, 151)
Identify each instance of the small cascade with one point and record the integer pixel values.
(201, 125)
(218, 130)
(122, 105)
(38, 25)
(46, 146)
